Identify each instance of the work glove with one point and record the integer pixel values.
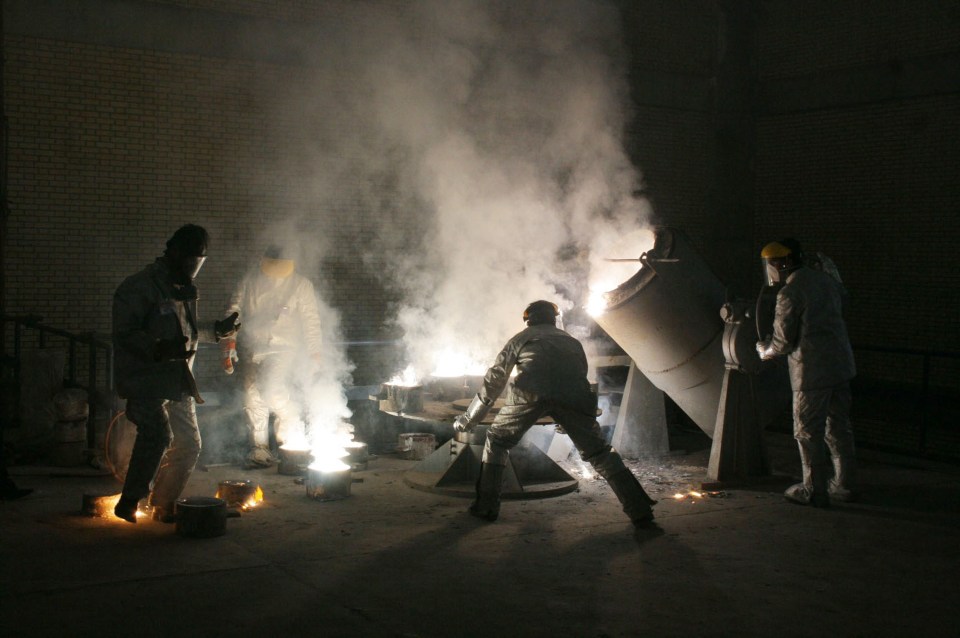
(228, 347)
(171, 349)
(765, 350)
(226, 327)
(463, 424)
(477, 409)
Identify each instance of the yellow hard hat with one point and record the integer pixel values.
(775, 250)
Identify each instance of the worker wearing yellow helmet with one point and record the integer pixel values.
(809, 330)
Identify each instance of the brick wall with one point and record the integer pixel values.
(113, 149)
(868, 176)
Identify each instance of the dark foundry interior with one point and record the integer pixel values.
(436, 318)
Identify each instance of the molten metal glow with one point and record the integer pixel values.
(329, 448)
(407, 378)
(596, 304)
(448, 363)
(608, 275)
(329, 465)
(298, 443)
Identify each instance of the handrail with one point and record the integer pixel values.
(94, 344)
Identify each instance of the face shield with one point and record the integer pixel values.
(191, 266)
(774, 270)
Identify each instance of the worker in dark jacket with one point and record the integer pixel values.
(809, 330)
(551, 380)
(155, 336)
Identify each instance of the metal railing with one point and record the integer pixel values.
(84, 351)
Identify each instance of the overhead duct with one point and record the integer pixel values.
(666, 317)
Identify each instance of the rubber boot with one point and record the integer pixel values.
(636, 502)
(487, 503)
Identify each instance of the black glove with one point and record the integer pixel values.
(226, 327)
(171, 349)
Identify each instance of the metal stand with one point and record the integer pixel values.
(453, 469)
(641, 429)
(737, 451)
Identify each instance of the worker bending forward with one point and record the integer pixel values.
(551, 380)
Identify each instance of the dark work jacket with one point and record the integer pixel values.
(145, 310)
(551, 366)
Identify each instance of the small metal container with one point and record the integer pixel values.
(357, 456)
(294, 462)
(416, 446)
(328, 485)
(407, 399)
(201, 516)
(237, 493)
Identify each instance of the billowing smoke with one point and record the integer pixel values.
(481, 142)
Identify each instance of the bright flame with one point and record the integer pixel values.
(254, 500)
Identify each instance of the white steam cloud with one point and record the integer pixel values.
(481, 144)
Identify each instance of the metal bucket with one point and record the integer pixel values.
(357, 456)
(416, 446)
(328, 485)
(293, 462)
(238, 493)
(667, 318)
(405, 398)
(201, 516)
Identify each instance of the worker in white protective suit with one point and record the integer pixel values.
(155, 336)
(551, 380)
(810, 331)
(277, 352)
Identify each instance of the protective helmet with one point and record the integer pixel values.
(275, 263)
(187, 250)
(540, 312)
(780, 258)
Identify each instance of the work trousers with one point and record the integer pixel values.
(165, 451)
(521, 411)
(266, 390)
(821, 426)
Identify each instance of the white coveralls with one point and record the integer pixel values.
(552, 380)
(278, 348)
(809, 328)
(160, 395)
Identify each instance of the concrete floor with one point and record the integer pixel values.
(393, 561)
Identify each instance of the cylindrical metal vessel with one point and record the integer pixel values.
(237, 492)
(667, 318)
(416, 446)
(293, 462)
(201, 516)
(328, 485)
(407, 399)
(357, 456)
